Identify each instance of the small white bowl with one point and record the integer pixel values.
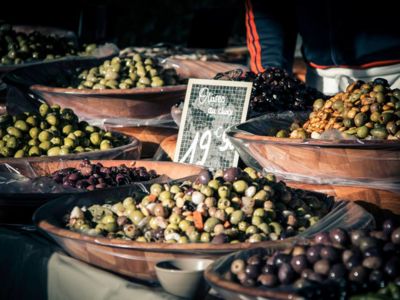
(183, 277)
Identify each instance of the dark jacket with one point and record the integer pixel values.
(346, 33)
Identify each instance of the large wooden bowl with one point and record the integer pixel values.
(37, 83)
(317, 161)
(137, 260)
(18, 207)
(131, 150)
(168, 146)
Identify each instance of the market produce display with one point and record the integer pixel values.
(53, 131)
(125, 73)
(365, 111)
(18, 47)
(233, 206)
(356, 262)
(275, 90)
(90, 176)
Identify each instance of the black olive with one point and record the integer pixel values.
(315, 277)
(254, 260)
(268, 280)
(299, 263)
(389, 248)
(322, 238)
(353, 261)
(281, 258)
(306, 273)
(286, 274)
(337, 271)
(313, 254)
(220, 239)
(367, 242)
(339, 236)
(268, 269)
(396, 236)
(204, 177)
(358, 274)
(356, 235)
(389, 225)
(380, 235)
(330, 253)
(372, 262)
(376, 278)
(322, 267)
(252, 271)
(374, 251)
(392, 267)
(232, 174)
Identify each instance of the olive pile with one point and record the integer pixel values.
(19, 47)
(125, 73)
(358, 261)
(91, 176)
(233, 206)
(54, 131)
(366, 110)
(275, 90)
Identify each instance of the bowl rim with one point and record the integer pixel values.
(246, 136)
(109, 92)
(133, 142)
(158, 268)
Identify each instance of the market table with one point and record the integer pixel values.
(29, 260)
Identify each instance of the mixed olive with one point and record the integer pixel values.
(19, 47)
(53, 131)
(365, 111)
(231, 206)
(125, 73)
(91, 176)
(274, 90)
(358, 261)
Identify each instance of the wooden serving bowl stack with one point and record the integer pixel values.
(344, 167)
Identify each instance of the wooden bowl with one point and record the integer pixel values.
(168, 146)
(131, 150)
(136, 259)
(150, 136)
(18, 207)
(143, 103)
(317, 161)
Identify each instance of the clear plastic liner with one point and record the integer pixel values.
(329, 160)
(163, 121)
(24, 177)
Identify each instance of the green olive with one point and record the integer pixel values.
(14, 132)
(46, 145)
(362, 132)
(95, 138)
(64, 151)
(240, 186)
(5, 151)
(105, 145)
(52, 119)
(379, 133)
(44, 109)
(34, 151)
(54, 151)
(360, 119)
(19, 154)
(236, 217)
(210, 224)
(136, 216)
(156, 189)
(21, 125)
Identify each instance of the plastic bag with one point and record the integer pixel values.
(317, 161)
(24, 177)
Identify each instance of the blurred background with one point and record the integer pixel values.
(191, 23)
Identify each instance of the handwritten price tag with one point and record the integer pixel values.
(211, 107)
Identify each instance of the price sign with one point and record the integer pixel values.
(211, 107)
